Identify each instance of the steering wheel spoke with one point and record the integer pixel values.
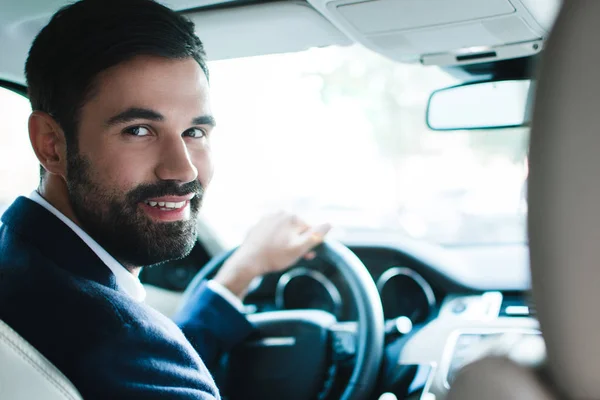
(344, 341)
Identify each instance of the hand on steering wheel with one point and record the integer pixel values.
(275, 243)
(288, 354)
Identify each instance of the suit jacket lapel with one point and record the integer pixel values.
(56, 241)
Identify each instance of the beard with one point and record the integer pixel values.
(118, 224)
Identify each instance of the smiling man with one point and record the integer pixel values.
(121, 125)
(142, 158)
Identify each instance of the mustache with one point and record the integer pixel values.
(165, 188)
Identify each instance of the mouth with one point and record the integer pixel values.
(170, 202)
(169, 208)
(166, 205)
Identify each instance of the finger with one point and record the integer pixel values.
(310, 255)
(298, 222)
(280, 218)
(313, 236)
(302, 227)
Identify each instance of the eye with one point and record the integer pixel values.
(194, 133)
(137, 131)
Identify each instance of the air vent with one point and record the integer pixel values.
(514, 305)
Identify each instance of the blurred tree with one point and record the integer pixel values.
(512, 144)
(394, 99)
(377, 84)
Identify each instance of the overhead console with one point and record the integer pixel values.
(444, 32)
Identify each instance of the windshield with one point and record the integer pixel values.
(338, 135)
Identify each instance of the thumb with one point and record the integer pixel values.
(313, 236)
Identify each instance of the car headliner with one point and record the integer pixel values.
(239, 28)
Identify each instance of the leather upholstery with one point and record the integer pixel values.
(564, 222)
(498, 378)
(25, 374)
(564, 199)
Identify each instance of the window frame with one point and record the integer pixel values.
(14, 87)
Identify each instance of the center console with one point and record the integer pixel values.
(467, 329)
(523, 345)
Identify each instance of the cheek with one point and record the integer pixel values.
(122, 173)
(203, 162)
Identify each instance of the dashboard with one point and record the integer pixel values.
(454, 324)
(448, 322)
(404, 291)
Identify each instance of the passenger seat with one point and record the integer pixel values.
(27, 375)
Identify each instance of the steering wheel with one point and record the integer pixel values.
(290, 354)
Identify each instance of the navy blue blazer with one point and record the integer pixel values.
(58, 295)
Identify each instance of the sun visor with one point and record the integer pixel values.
(259, 29)
(444, 32)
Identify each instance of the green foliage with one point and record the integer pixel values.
(393, 97)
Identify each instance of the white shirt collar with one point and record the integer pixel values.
(125, 279)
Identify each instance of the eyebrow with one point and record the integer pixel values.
(135, 113)
(204, 120)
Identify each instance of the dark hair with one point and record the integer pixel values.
(87, 37)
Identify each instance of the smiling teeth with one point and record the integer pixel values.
(166, 204)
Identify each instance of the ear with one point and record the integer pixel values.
(48, 142)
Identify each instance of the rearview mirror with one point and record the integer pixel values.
(481, 105)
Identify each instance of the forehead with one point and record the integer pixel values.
(153, 82)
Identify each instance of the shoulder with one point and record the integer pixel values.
(58, 312)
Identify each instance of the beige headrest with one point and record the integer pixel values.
(564, 199)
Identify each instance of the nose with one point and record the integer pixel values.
(175, 162)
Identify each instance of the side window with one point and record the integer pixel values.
(19, 170)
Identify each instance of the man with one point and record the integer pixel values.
(121, 126)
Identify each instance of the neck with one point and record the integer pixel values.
(54, 189)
